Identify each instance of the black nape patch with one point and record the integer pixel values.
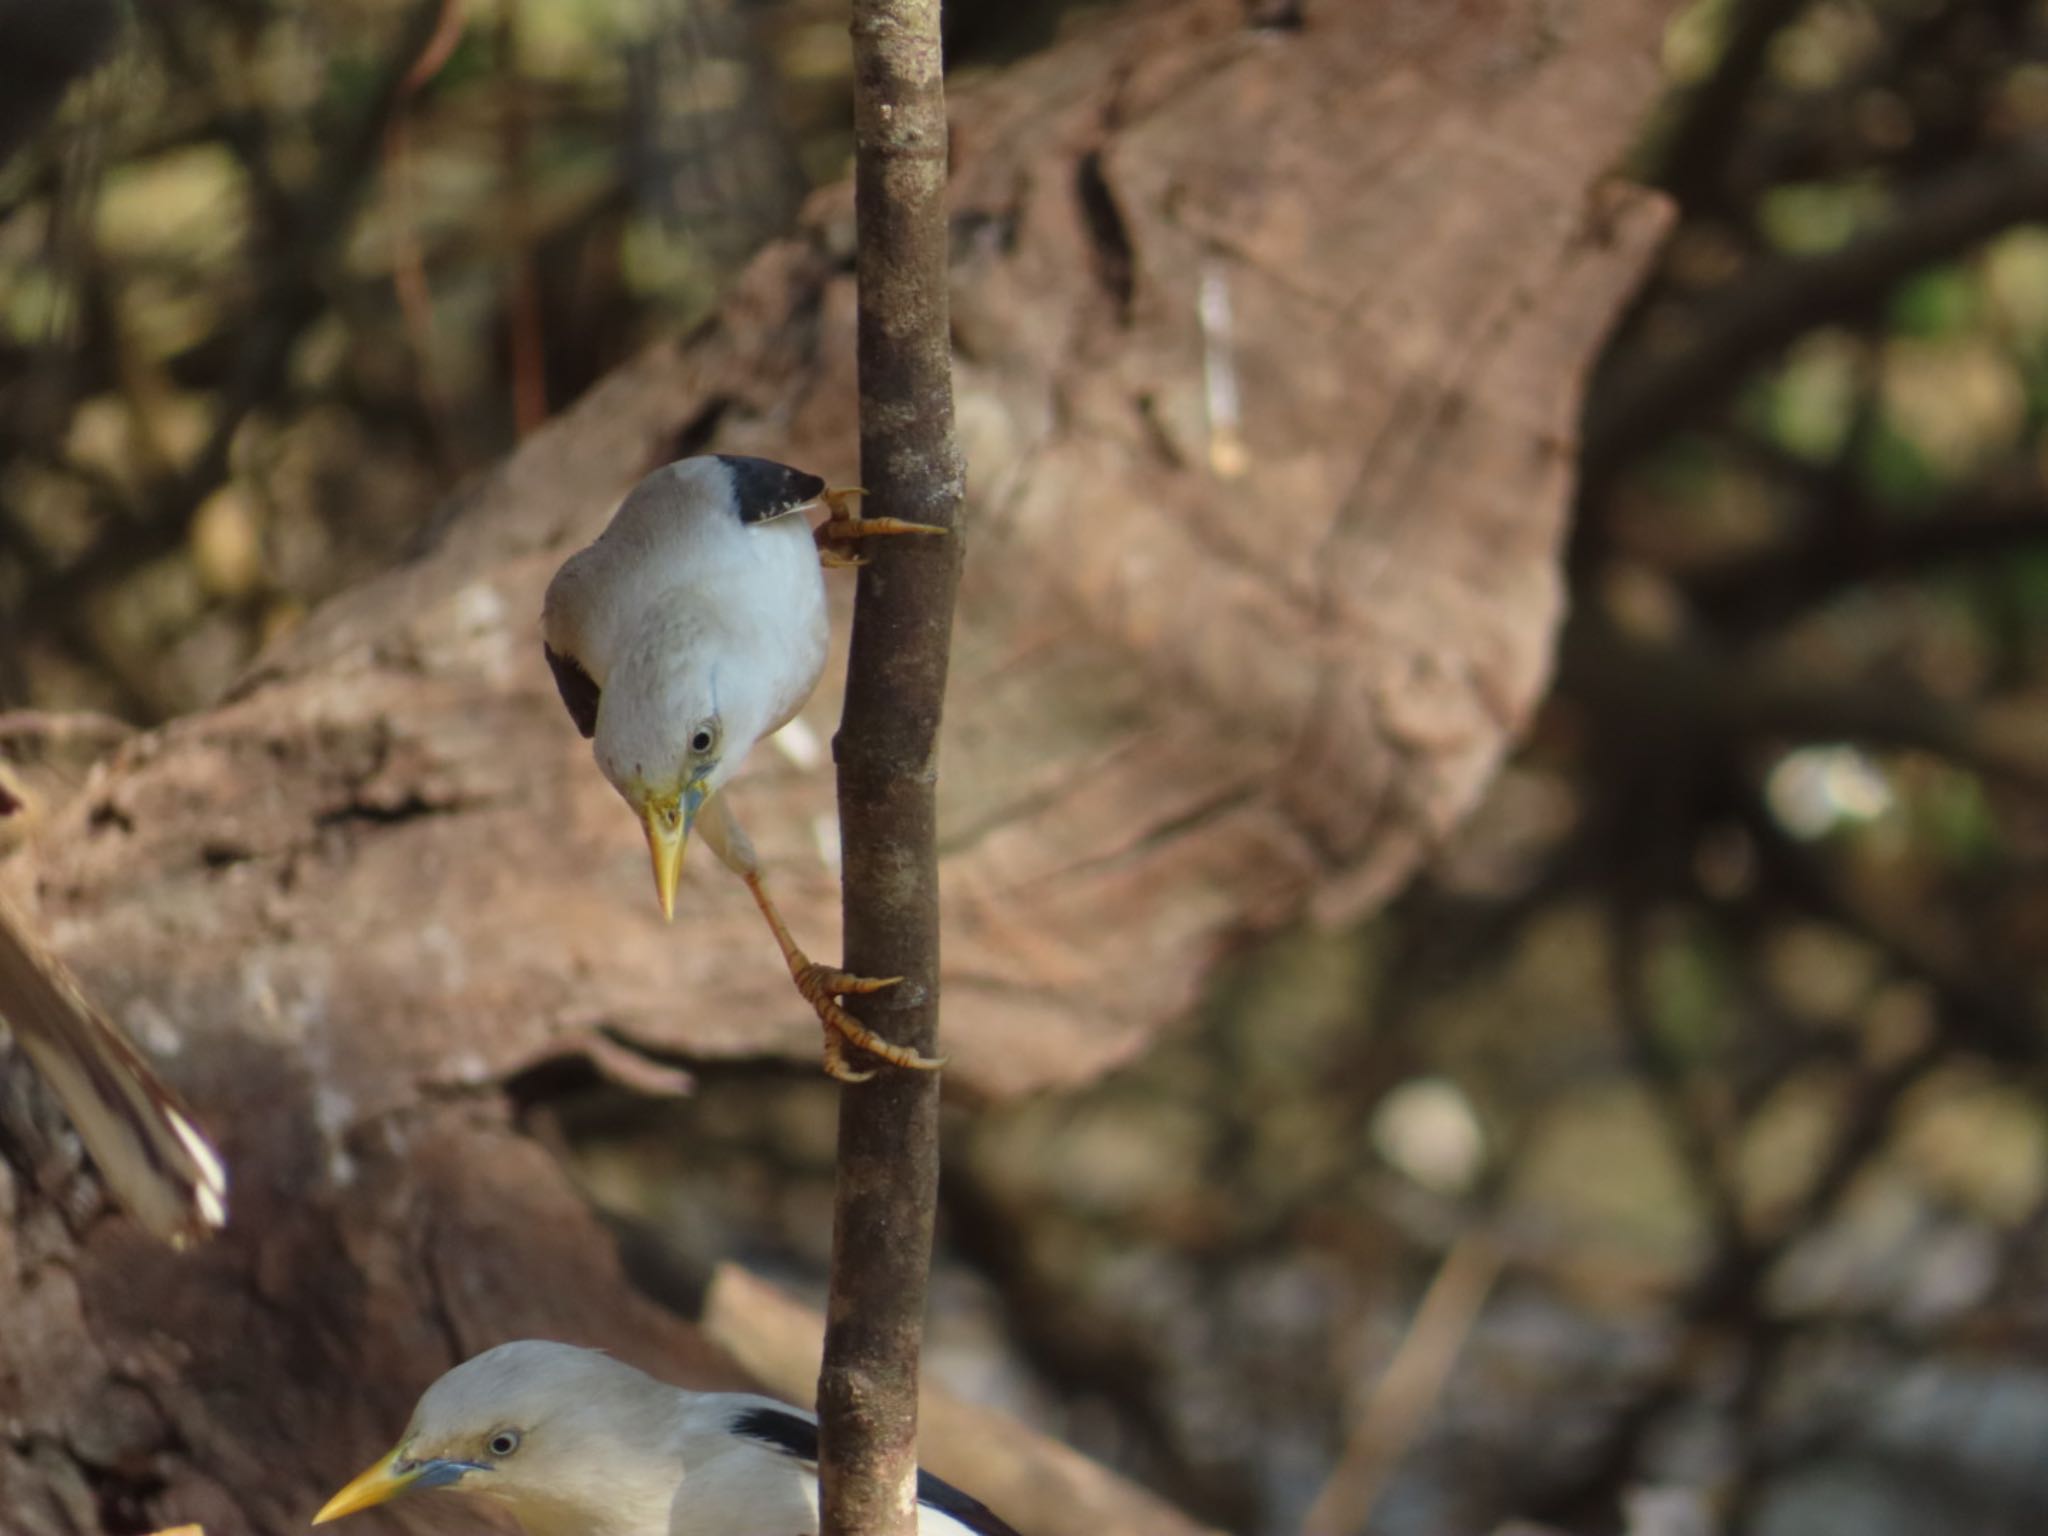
(794, 1435)
(577, 688)
(763, 489)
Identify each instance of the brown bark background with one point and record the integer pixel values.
(349, 905)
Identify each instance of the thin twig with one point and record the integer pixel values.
(1407, 1391)
(408, 266)
(525, 330)
(887, 755)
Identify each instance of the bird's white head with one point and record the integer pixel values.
(694, 625)
(665, 743)
(568, 1439)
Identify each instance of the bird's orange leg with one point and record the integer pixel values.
(822, 986)
(845, 524)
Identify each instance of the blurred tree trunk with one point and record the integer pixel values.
(44, 46)
(1269, 344)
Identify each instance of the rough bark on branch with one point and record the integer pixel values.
(342, 909)
(886, 1188)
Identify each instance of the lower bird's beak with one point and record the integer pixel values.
(668, 833)
(391, 1477)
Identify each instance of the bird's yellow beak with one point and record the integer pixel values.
(390, 1477)
(667, 823)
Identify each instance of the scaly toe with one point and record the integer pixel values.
(822, 986)
(836, 1065)
(860, 986)
(822, 981)
(858, 1034)
(868, 526)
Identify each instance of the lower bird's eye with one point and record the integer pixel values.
(504, 1442)
(701, 742)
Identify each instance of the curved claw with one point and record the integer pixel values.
(844, 525)
(836, 1065)
(821, 986)
(859, 986)
(861, 527)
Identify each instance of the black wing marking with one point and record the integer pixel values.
(790, 1433)
(764, 489)
(969, 1511)
(794, 1435)
(577, 689)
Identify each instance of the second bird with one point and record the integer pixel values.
(694, 626)
(575, 1443)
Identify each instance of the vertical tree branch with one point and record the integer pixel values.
(886, 750)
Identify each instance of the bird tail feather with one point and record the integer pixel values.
(152, 1155)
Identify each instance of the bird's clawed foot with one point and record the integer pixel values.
(822, 987)
(845, 525)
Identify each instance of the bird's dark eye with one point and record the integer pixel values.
(503, 1443)
(701, 742)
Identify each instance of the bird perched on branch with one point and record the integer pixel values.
(693, 627)
(575, 1443)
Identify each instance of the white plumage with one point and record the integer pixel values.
(575, 1443)
(694, 626)
(687, 613)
